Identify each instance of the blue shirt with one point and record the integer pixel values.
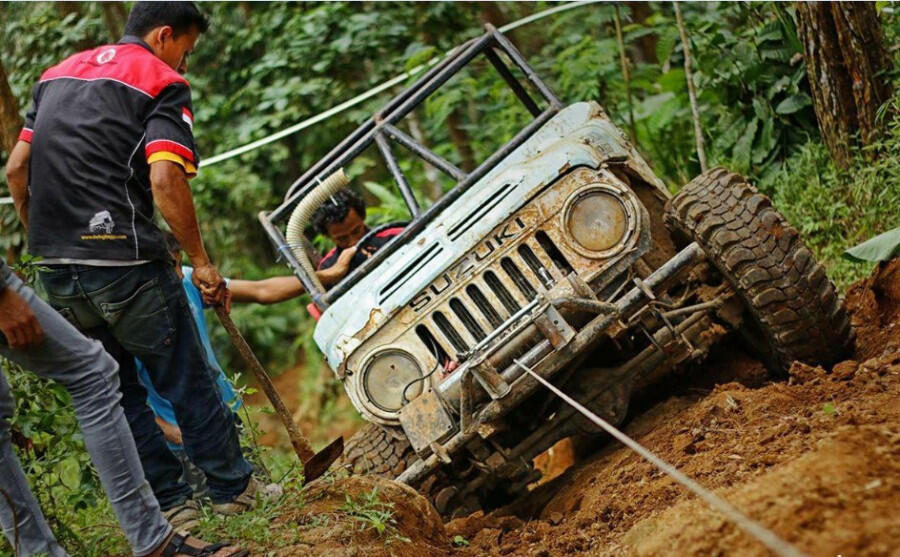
(162, 407)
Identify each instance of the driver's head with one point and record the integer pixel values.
(342, 218)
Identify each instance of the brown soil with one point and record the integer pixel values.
(325, 527)
(874, 304)
(815, 458)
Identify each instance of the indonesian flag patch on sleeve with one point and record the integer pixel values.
(188, 118)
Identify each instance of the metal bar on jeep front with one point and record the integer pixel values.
(408, 196)
(420, 223)
(513, 83)
(427, 155)
(502, 329)
(523, 65)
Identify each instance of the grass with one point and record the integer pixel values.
(372, 513)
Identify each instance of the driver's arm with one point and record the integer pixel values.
(266, 291)
(334, 274)
(278, 289)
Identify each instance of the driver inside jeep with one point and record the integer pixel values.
(342, 217)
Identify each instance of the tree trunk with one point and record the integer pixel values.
(867, 59)
(845, 60)
(432, 175)
(10, 119)
(114, 15)
(67, 8)
(692, 95)
(646, 44)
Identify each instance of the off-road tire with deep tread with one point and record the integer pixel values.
(794, 306)
(374, 451)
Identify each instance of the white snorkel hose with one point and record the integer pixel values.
(303, 212)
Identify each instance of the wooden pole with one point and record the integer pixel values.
(623, 59)
(298, 441)
(695, 111)
(314, 464)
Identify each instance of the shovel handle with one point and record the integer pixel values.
(298, 441)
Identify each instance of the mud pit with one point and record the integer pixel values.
(816, 458)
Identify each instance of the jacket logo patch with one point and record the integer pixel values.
(102, 222)
(106, 56)
(101, 227)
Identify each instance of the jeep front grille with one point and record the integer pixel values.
(467, 319)
(492, 296)
(495, 286)
(484, 306)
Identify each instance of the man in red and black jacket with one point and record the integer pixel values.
(108, 136)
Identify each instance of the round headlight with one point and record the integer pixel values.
(597, 220)
(385, 377)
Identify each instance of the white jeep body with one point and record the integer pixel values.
(376, 313)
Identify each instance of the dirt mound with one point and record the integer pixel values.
(814, 458)
(363, 516)
(874, 305)
(838, 498)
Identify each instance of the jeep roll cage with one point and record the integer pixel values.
(381, 130)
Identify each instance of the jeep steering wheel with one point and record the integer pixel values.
(366, 241)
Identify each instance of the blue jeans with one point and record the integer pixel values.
(89, 374)
(141, 311)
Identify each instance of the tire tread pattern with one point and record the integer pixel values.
(373, 450)
(763, 257)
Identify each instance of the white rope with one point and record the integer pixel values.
(765, 536)
(374, 91)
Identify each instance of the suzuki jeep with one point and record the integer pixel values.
(561, 253)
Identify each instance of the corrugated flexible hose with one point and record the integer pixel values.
(304, 211)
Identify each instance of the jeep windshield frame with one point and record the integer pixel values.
(380, 129)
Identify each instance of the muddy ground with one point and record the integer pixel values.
(814, 456)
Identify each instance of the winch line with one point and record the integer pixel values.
(756, 530)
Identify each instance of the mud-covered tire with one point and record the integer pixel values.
(795, 308)
(373, 450)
